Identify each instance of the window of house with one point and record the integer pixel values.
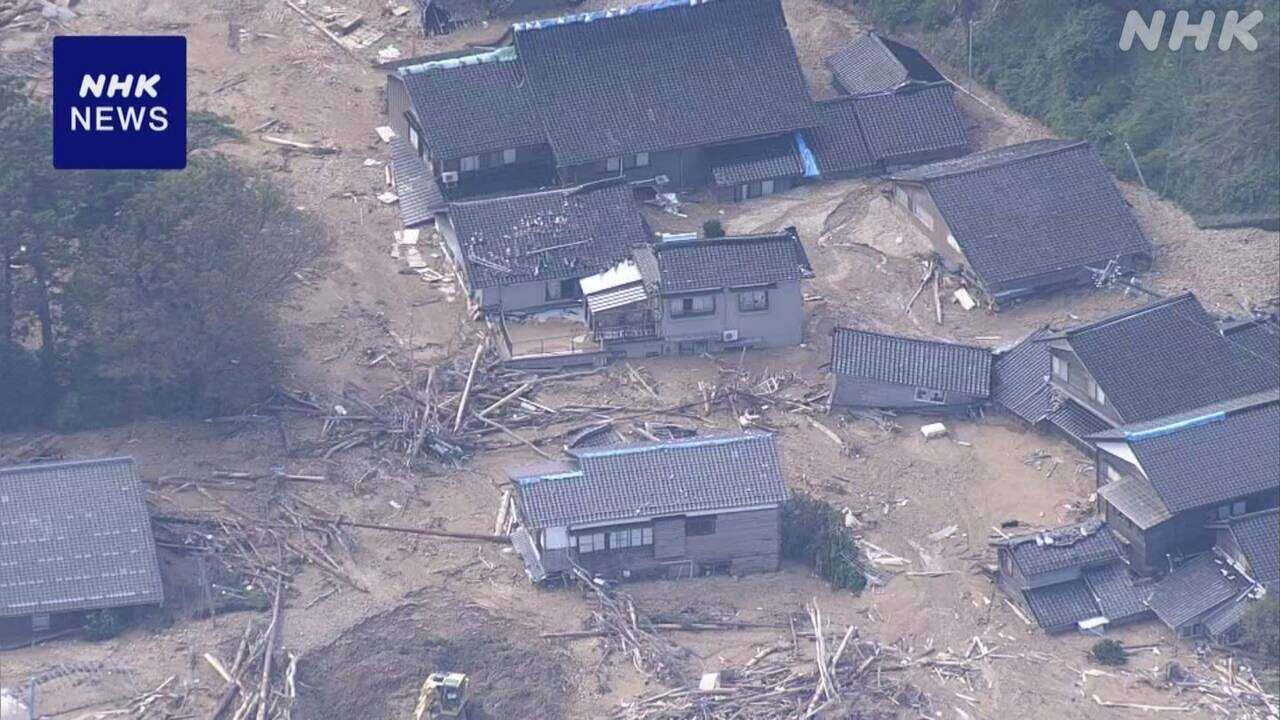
(693, 306)
(642, 159)
(613, 164)
(1059, 368)
(630, 537)
(414, 140)
(590, 542)
(753, 300)
(508, 156)
(1237, 508)
(563, 289)
(470, 163)
(701, 525)
(928, 395)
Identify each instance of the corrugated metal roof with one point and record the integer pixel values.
(617, 297)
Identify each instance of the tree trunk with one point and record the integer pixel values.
(44, 313)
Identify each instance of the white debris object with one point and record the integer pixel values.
(933, 430)
(965, 299)
(388, 54)
(709, 681)
(400, 10)
(385, 133)
(388, 197)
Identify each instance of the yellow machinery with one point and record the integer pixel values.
(443, 695)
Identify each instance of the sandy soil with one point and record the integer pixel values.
(435, 602)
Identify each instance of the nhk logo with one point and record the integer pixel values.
(119, 102)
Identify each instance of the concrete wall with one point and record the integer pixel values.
(848, 391)
(779, 326)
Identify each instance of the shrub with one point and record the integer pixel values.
(712, 229)
(103, 624)
(814, 533)
(1260, 628)
(1109, 652)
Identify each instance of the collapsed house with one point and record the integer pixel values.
(676, 508)
(575, 99)
(873, 63)
(1163, 483)
(74, 537)
(1164, 358)
(440, 17)
(1251, 544)
(1069, 578)
(1024, 219)
(873, 370)
(1205, 597)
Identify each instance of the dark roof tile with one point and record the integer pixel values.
(1073, 546)
(1020, 377)
(420, 196)
(908, 361)
(724, 262)
(912, 124)
(663, 75)
(775, 157)
(624, 482)
(873, 63)
(1192, 590)
(75, 536)
(1113, 589)
(1025, 211)
(1058, 607)
(1258, 537)
(837, 140)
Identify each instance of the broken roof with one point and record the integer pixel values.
(908, 361)
(663, 75)
(471, 105)
(1192, 590)
(637, 481)
(420, 196)
(912, 124)
(555, 234)
(1114, 592)
(75, 536)
(1165, 358)
(874, 63)
(1210, 455)
(1023, 211)
(1073, 546)
(727, 262)
(1020, 377)
(1258, 537)
(1060, 606)
(837, 140)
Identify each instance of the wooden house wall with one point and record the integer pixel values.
(684, 169)
(1077, 385)
(779, 326)
(849, 391)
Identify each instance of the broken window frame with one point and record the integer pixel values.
(751, 301)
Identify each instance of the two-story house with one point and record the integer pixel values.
(677, 508)
(1163, 484)
(1024, 219)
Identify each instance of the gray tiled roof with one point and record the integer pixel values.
(1081, 545)
(1058, 607)
(873, 63)
(1192, 590)
(1165, 358)
(75, 536)
(1023, 211)
(1217, 457)
(623, 482)
(775, 157)
(1075, 420)
(912, 124)
(472, 109)
(837, 141)
(1114, 592)
(1258, 537)
(1223, 619)
(420, 196)
(1020, 378)
(1136, 500)
(1256, 341)
(663, 75)
(555, 234)
(740, 261)
(908, 361)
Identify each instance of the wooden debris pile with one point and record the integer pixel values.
(259, 683)
(846, 677)
(626, 631)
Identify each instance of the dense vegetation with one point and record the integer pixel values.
(1109, 652)
(814, 533)
(1202, 125)
(125, 294)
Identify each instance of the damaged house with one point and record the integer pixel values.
(676, 508)
(873, 63)
(1024, 219)
(1206, 597)
(1070, 578)
(74, 537)
(1164, 358)
(440, 17)
(872, 370)
(1164, 484)
(664, 94)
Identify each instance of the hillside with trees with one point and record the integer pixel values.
(1202, 125)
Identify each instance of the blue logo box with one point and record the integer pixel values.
(119, 102)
